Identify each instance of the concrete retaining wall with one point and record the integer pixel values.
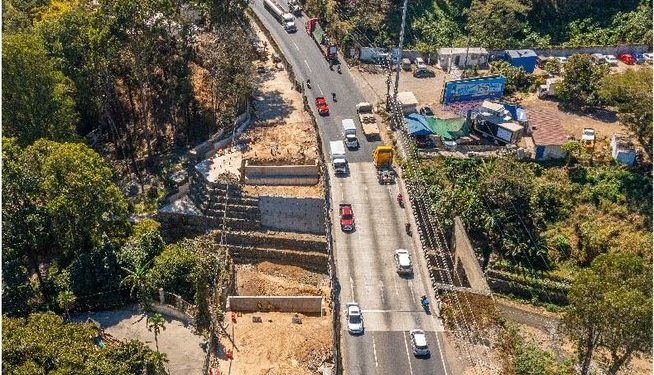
(298, 304)
(465, 258)
(291, 214)
(281, 174)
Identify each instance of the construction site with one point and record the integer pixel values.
(261, 194)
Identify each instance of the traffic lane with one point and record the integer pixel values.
(396, 356)
(361, 357)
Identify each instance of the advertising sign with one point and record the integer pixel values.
(464, 90)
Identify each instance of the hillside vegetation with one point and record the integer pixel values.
(489, 23)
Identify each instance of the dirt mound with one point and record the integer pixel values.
(279, 280)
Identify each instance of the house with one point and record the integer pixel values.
(623, 150)
(408, 101)
(548, 134)
(462, 58)
(522, 58)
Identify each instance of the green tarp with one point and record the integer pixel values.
(449, 129)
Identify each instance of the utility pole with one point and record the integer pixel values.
(397, 69)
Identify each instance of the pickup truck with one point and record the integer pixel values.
(347, 217)
(321, 104)
(367, 120)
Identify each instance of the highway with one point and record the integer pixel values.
(364, 258)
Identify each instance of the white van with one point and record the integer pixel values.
(350, 133)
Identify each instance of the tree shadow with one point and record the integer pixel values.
(271, 106)
(599, 114)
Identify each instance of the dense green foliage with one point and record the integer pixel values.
(581, 82)
(43, 343)
(526, 358)
(62, 218)
(540, 217)
(630, 93)
(611, 308)
(489, 23)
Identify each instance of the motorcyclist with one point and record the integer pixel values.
(399, 198)
(338, 68)
(407, 226)
(308, 83)
(334, 96)
(424, 301)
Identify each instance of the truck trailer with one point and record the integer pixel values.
(337, 155)
(287, 20)
(367, 120)
(318, 35)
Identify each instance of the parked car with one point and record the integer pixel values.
(627, 58)
(598, 58)
(406, 64)
(611, 60)
(354, 318)
(347, 217)
(640, 59)
(426, 111)
(403, 262)
(423, 73)
(322, 106)
(562, 59)
(419, 342)
(648, 57)
(419, 61)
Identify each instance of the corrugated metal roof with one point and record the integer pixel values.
(518, 53)
(461, 51)
(546, 128)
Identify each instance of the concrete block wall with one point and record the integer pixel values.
(281, 174)
(296, 304)
(292, 214)
(464, 255)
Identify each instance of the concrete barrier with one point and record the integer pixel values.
(465, 260)
(298, 304)
(292, 214)
(281, 174)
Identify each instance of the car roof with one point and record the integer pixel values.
(403, 259)
(419, 337)
(400, 251)
(353, 309)
(346, 209)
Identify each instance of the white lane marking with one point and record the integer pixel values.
(305, 61)
(397, 289)
(438, 342)
(408, 356)
(413, 296)
(319, 89)
(374, 350)
(381, 290)
(296, 47)
(352, 288)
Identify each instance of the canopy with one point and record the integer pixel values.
(417, 125)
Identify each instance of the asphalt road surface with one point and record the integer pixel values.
(364, 258)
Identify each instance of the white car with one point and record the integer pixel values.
(611, 60)
(403, 262)
(562, 59)
(419, 342)
(354, 318)
(648, 57)
(598, 58)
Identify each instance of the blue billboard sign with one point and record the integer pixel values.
(483, 88)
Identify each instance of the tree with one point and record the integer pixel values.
(500, 24)
(138, 281)
(143, 245)
(553, 66)
(581, 80)
(516, 78)
(156, 324)
(42, 343)
(630, 92)
(37, 101)
(611, 308)
(572, 149)
(174, 270)
(66, 301)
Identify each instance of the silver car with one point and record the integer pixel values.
(419, 342)
(354, 318)
(403, 262)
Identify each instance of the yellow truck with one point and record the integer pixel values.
(382, 157)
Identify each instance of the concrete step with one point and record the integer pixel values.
(275, 240)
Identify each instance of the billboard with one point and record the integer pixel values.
(464, 90)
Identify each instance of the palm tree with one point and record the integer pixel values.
(156, 324)
(66, 301)
(139, 282)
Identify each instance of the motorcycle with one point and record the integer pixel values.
(338, 68)
(424, 301)
(334, 97)
(400, 200)
(308, 83)
(407, 226)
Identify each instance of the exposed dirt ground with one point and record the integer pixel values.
(277, 346)
(313, 191)
(279, 280)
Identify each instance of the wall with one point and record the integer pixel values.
(281, 174)
(291, 214)
(299, 304)
(465, 256)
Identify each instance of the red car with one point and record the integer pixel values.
(323, 108)
(347, 217)
(627, 59)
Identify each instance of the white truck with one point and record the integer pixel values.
(287, 20)
(549, 88)
(367, 120)
(337, 154)
(350, 133)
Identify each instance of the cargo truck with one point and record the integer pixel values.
(337, 155)
(383, 160)
(295, 8)
(350, 133)
(367, 120)
(318, 35)
(287, 20)
(549, 88)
